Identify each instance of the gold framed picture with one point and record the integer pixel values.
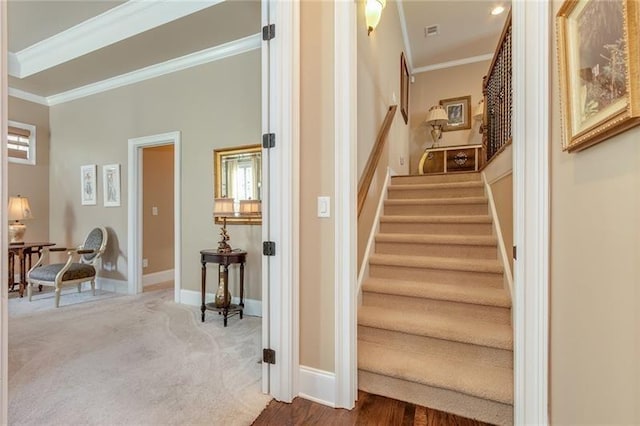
(459, 113)
(598, 64)
(404, 89)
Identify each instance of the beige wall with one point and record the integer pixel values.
(316, 178)
(431, 87)
(157, 191)
(214, 105)
(379, 88)
(33, 181)
(595, 278)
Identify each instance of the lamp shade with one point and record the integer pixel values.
(223, 207)
(479, 111)
(437, 115)
(250, 207)
(373, 12)
(19, 208)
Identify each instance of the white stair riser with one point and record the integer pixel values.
(460, 310)
(482, 355)
(422, 179)
(436, 398)
(436, 228)
(439, 250)
(436, 209)
(435, 193)
(443, 276)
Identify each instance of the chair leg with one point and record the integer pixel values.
(29, 290)
(58, 297)
(93, 286)
(79, 287)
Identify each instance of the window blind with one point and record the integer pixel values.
(18, 142)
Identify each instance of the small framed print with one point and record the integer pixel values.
(88, 185)
(458, 112)
(111, 185)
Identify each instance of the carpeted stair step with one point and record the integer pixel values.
(455, 374)
(437, 325)
(457, 246)
(437, 206)
(483, 272)
(436, 190)
(481, 303)
(440, 178)
(481, 355)
(443, 225)
(437, 398)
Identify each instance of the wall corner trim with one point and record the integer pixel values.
(457, 62)
(317, 386)
(109, 284)
(158, 277)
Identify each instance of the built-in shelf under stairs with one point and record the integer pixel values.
(434, 327)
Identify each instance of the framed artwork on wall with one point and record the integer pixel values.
(458, 112)
(599, 70)
(404, 88)
(88, 185)
(111, 185)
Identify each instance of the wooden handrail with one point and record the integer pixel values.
(374, 157)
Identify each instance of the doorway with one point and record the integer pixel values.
(160, 149)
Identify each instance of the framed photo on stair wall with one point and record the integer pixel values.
(88, 185)
(404, 88)
(599, 64)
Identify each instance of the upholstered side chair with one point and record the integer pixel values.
(79, 268)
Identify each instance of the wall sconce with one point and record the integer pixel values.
(437, 117)
(18, 210)
(223, 207)
(373, 12)
(478, 114)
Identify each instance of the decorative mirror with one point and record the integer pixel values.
(238, 175)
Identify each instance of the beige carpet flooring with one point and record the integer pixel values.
(130, 360)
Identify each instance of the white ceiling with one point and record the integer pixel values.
(37, 30)
(467, 29)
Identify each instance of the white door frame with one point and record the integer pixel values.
(4, 291)
(345, 189)
(134, 244)
(281, 200)
(531, 136)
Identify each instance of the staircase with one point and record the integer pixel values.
(434, 327)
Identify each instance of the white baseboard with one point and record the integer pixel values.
(364, 266)
(158, 277)
(252, 307)
(109, 284)
(317, 386)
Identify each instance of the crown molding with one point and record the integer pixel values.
(405, 35)
(13, 65)
(21, 94)
(215, 53)
(121, 22)
(457, 62)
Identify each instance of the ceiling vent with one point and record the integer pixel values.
(431, 30)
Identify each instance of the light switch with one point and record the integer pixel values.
(154, 211)
(324, 207)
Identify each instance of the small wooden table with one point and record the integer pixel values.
(223, 259)
(24, 251)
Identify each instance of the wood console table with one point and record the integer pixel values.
(24, 251)
(223, 259)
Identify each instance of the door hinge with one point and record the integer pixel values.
(515, 253)
(268, 356)
(269, 248)
(269, 140)
(268, 32)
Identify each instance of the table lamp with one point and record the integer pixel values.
(250, 208)
(478, 114)
(437, 117)
(18, 210)
(223, 207)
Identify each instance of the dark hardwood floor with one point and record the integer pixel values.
(369, 410)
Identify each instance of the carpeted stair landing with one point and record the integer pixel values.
(434, 327)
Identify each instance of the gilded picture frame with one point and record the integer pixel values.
(459, 113)
(599, 70)
(404, 88)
